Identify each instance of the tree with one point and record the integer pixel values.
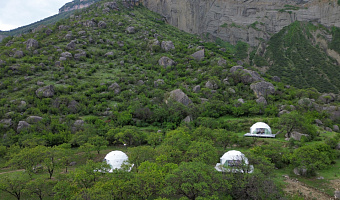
(28, 159)
(51, 159)
(203, 152)
(14, 185)
(139, 154)
(296, 121)
(87, 148)
(193, 180)
(40, 187)
(98, 142)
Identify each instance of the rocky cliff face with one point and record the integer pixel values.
(251, 21)
(76, 4)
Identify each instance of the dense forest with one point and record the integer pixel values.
(115, 76)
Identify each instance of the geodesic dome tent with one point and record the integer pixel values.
(260, 129)
(234, 161)
(116, 159)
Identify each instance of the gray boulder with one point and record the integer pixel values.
(109, 54)
(115, 87)
(140, 82)
(318, 122)
(68, 36)
(244, 75)
(40, 83)
(130, 30)
(22, 126)
(221, 62)
(6, 123)
(33, 119)
(62, 59)
(47, 91)
(154, 44)
(276, 79)
(306, 102)
(48, 32)
(81, 54)
(300, 171)
(166, 62)
(296, 135)
(231, 90)
(78, 123)
(81, 32)
(328, 129)
(211, 85)
(71, 45)
(337, 194)
(261, 100)
(282, 112)
(66, 54)
(158, 82)
(327, 98)
(167, 45)
(188, 119)
(196, 89)
(31, 44)
(18, 54)
(199, 55)
(73, 106)
(336, 128)
(179, 96)
(101, 24)
(262, 88)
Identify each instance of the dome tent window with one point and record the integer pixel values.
(118, 160)
(235, 162)
(260, 129)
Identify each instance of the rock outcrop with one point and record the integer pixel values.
(179, 96)
(47, 91)
(262, 89)
(249, 21)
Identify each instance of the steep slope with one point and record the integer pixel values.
(298, 54)
(249, 21)
(77, 4)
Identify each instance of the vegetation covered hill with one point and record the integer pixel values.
(115, 74)
(298, 54)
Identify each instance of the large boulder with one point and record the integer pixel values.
(199, 55)
(18, 54)
(261, 100)
(244, 75)
(81, 54)
(327, 98)
(262, 89)
(336, 128)
(154, 44)
(33, 119)
(211, 85)
(71, 46)
(22, 126)
(337, 194)
(31, 44)
(221, 62)
(300, 171)
(130, 30)
(101, 24)
(296, 135)
(167, 45)
(166, 62)
(6, 123)
(66, 55)
(179, 96)
(47, 91)
(115, 87)
(196, 89)
(188, 119)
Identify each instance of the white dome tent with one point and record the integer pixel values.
(116, 159)
(260, 129)
(234, 161)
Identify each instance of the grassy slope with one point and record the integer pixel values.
(298, 62)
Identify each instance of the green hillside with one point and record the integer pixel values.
(115, 76)
(294, 55)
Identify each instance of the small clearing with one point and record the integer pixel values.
(297, 187)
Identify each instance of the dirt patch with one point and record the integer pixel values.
(335, 184)
(12, 171)
(296, 187)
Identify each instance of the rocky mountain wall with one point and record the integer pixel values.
(251, 21)
(76, 4)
